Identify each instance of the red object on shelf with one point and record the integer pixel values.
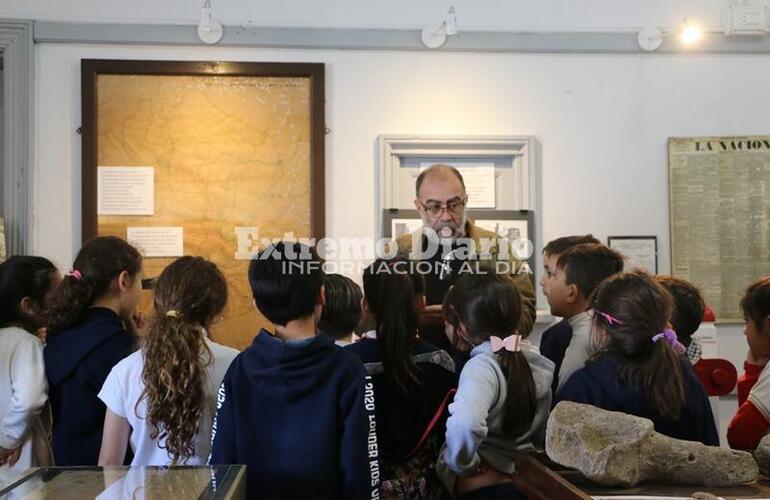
(718, 376)
(708, 314)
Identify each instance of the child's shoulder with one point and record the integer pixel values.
(130, 365)
(18, 336)
(222, 352)
(347, 359)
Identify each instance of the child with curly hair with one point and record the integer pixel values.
(162, 398)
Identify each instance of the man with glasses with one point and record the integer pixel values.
(441, 201)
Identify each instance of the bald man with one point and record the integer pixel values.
(441, 201)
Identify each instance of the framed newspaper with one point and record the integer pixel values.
(720, 216)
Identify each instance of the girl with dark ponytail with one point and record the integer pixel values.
(25, 420)
(91, 327)
(164, 395)
(413, 380)
(504, 396)
(639, 367)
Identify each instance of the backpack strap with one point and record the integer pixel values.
(433, 421)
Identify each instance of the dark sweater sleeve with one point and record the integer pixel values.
(710, 434)
(577, 389)
(359, 454)
(223, 437)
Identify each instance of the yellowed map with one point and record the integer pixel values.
(227, 151)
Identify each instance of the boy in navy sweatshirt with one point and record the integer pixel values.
(297, 410)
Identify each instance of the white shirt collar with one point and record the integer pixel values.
(371, 334)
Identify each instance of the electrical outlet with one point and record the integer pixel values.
(746, 20)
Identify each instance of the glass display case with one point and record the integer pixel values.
(226, 482)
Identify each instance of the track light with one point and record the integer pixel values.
(210, 30)
(434, 37)
(690, 33)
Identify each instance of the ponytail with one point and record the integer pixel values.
(520, 401)
(70, 301)
(174, 376)
(189, 294)
(99, 262)
(663, 382)
(390, 294)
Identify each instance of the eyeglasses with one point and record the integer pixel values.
(434, 208)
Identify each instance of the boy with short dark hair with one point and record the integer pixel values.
(554, 341)
(293, 407)
(579, 270)
(687, 316)
(342, 310)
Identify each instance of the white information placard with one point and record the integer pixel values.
(157, 241)
(126, 191)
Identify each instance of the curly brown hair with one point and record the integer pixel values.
(189, 294)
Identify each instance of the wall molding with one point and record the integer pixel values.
(16, 44)
(391, 39)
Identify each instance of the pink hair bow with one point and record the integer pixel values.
(611, 320)
(669, 336)
(75, 274)
(510, 343)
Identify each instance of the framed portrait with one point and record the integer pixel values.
(180, 157)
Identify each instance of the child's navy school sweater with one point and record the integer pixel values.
(553, 345)
(599, 383)
(77, 361)
(300, 416)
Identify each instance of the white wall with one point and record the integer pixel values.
(472, 14)
(603, 122)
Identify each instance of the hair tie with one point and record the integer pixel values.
(75, 274)
(611, 320)
(511, 343)
(172, 313)
(669, 336)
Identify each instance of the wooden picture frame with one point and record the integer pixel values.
(247, 105)
(92, 68)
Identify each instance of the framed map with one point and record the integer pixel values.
(187, 157)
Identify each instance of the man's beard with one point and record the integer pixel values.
(446, 230)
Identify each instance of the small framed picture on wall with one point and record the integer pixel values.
(640, 252)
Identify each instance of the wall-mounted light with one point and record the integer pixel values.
(210, 30)
(690, 32)
(434, 37)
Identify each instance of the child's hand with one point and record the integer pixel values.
(4, 454)
(137, 325)
(757, 360)
(9, 457)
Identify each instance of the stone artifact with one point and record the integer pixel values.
(762, 455)
(616, 449)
